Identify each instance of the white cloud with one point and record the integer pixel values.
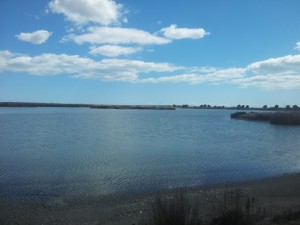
(116, 35)
(114, 50)
(81, 12)
(37, 37)
(4, 58)
(172, 32)
(107, 69)
(270, 81)
(282, 65)
(275, 73)
(217, 76)
(297, 46)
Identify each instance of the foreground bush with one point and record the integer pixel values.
(176, 210)
(237, 209)
(233, 209)
(288, 215)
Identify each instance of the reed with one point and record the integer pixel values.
(280, 118)
(175, 210)
(286, 118)
(233, 209)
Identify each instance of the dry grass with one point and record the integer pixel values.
(176, 210)
(234, 208)
(237, 208)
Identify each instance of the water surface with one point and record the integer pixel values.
(82, 151)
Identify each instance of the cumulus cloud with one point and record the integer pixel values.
(107, 69)
(81, 12)
(297, 46)
(4, 56)
(114, 50)
(270, 81)
(37, 37)
(172, 32)
(116, 35)
(282, 65)
(275, 73)
(216, 76)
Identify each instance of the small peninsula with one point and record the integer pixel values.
(280, 118)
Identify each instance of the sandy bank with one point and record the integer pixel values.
(276, 193)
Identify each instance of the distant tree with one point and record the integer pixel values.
(208, 106)
(276, 107)
(247, 107)
(265, 107)
(295, 107)
(288, 107)
(185, 106)
(238, 106)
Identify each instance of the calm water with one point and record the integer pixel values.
(75, 151)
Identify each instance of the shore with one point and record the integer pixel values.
(275, 193)
(278, 118)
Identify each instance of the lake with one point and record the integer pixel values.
(82, 151)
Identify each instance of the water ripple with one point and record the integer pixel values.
(84, 151)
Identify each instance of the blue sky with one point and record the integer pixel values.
(151, 52)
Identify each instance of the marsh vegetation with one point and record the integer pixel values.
(234, 208)
(282, 118)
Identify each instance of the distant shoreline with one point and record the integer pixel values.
(144, 107)
(92, 106)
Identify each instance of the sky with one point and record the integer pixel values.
(192, 52)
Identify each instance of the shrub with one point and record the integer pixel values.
(176, 210)
(288, 215)
(236, 209)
